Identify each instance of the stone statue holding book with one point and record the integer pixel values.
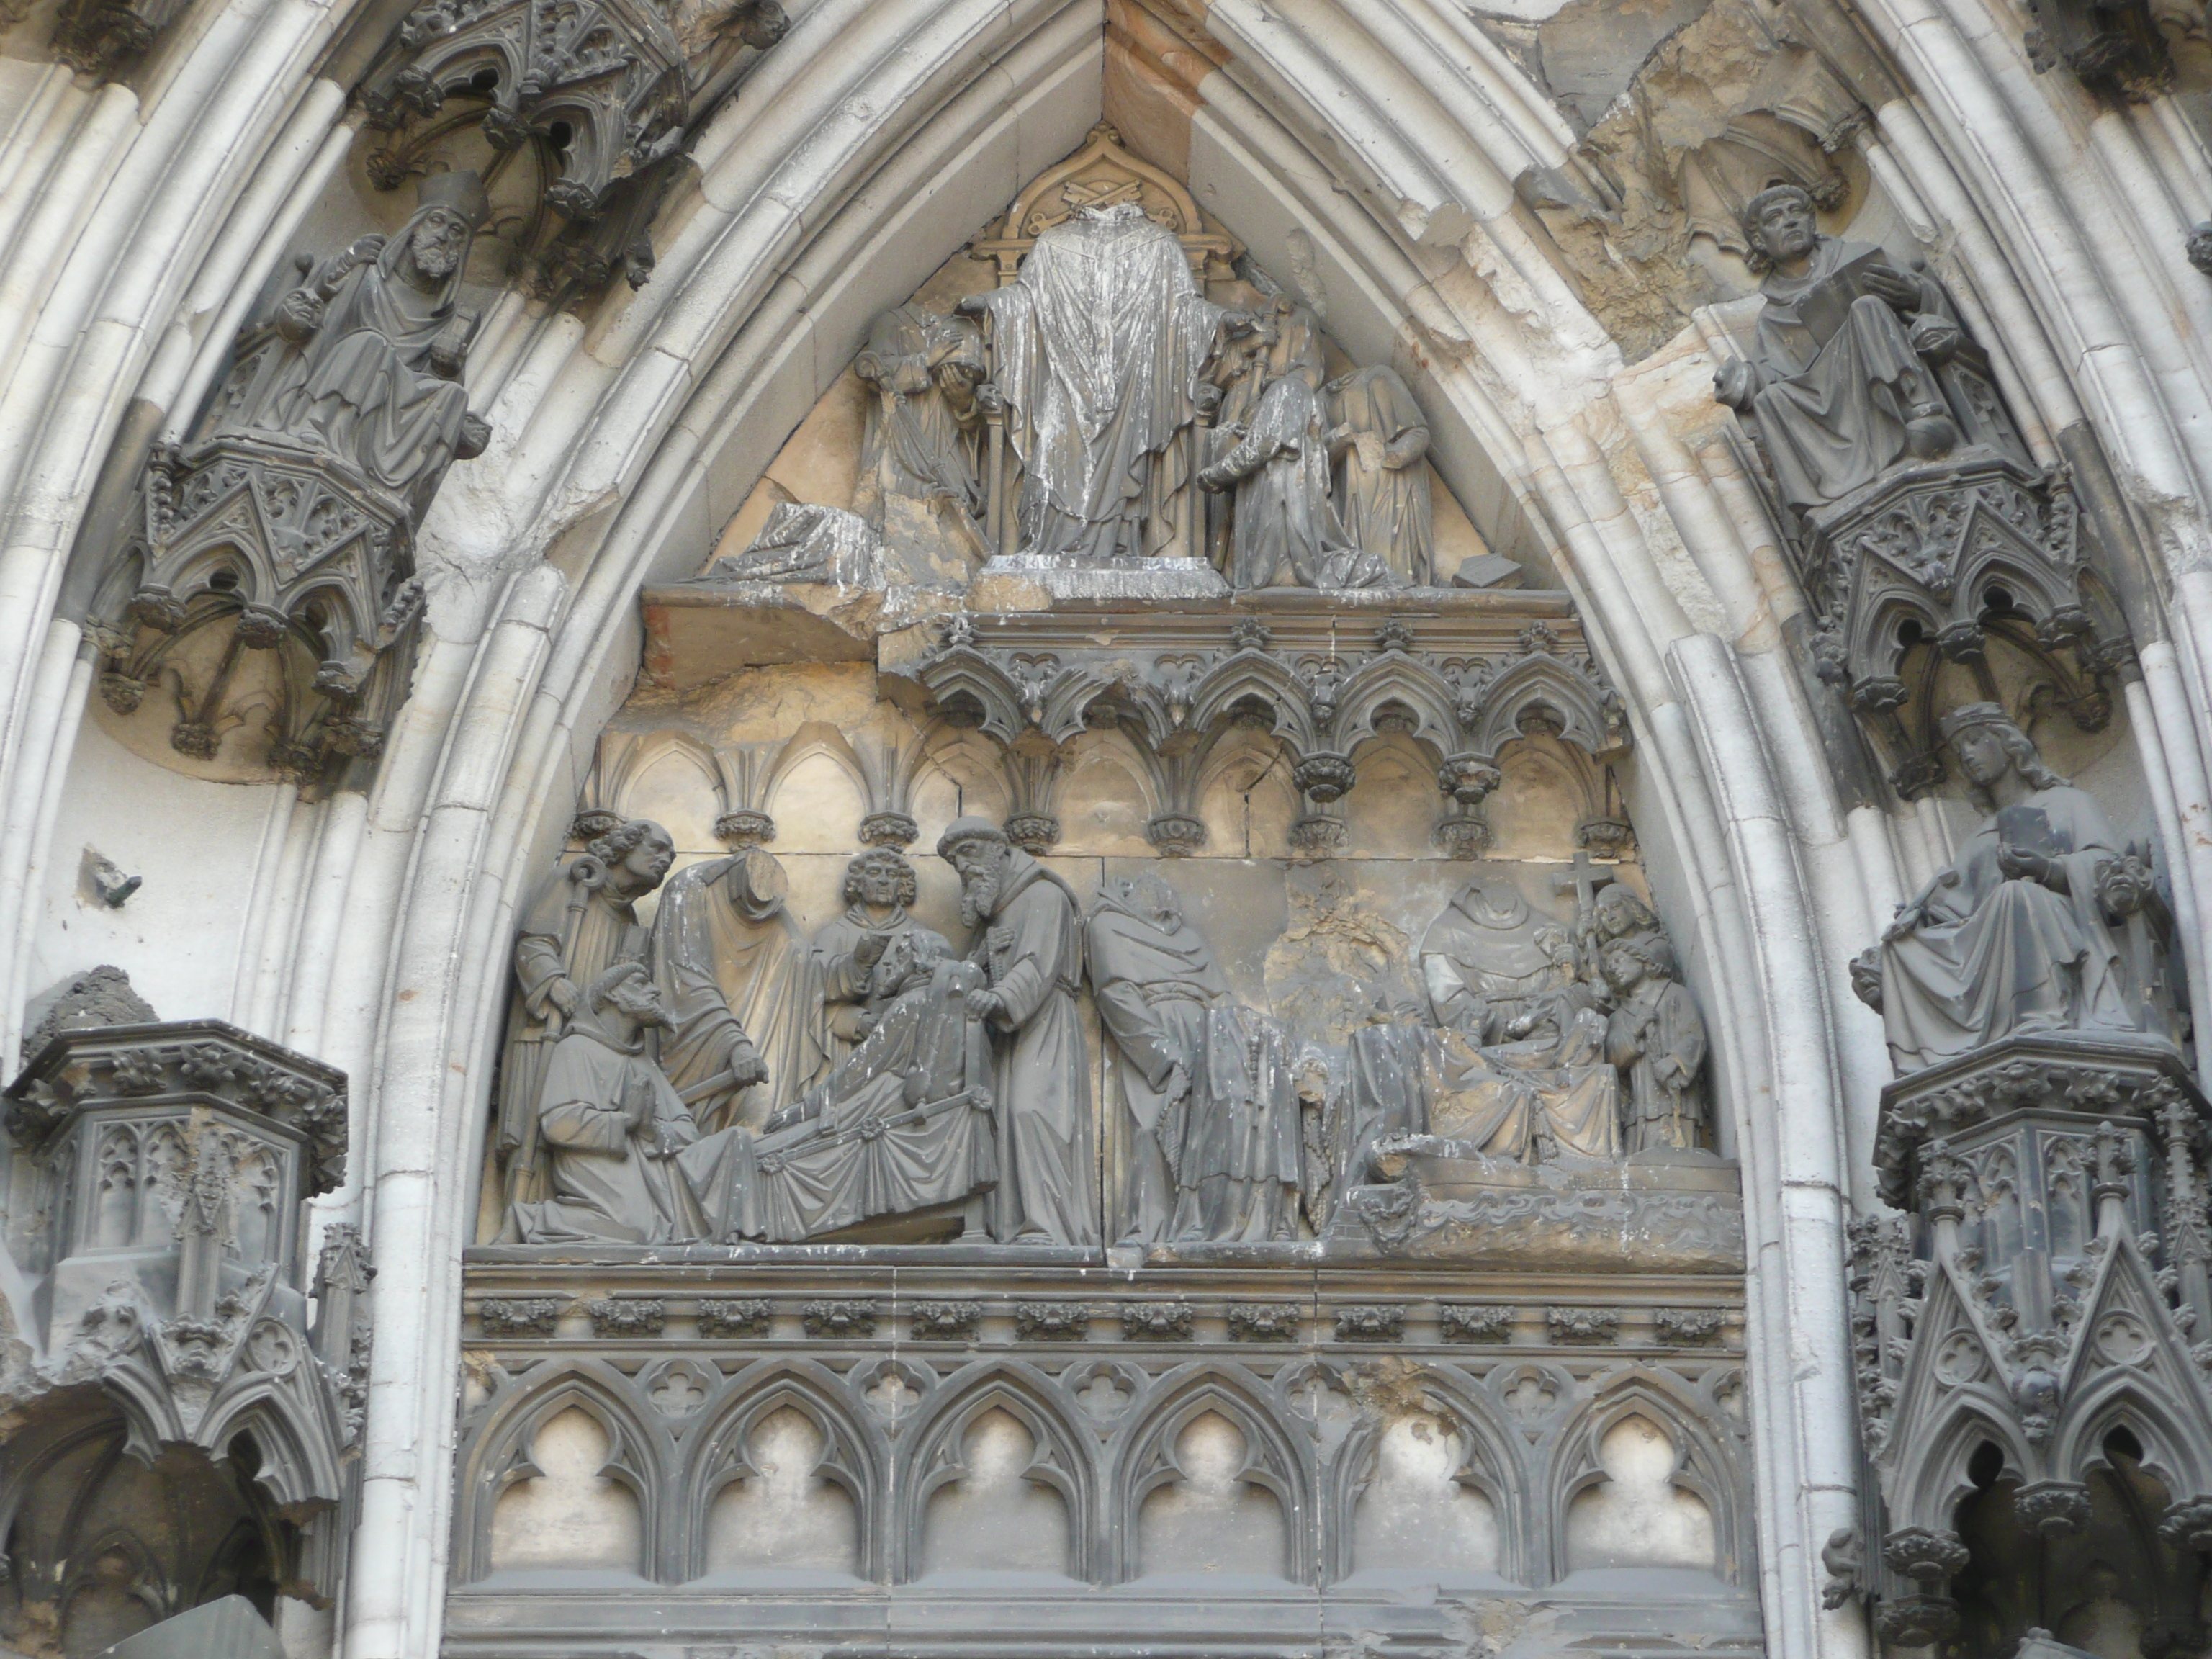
(1844, 378)
(2045, 921)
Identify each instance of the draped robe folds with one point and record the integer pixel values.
(1031, 947)
(844, 983)
(916, 444)
(2000, 956)
(1097, 346)
(716, 969)
(1657, 1039)
(1221, 1159)
(606, 1180)
(1831, 411)
(1283, 530)
(363, 384)
(1386, 510)
(1483, 964)
(855, 1153)
(574, 931)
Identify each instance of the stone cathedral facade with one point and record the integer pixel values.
(1105, 829)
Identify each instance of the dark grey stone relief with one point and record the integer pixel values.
(1923, 532)
(2032, 1388)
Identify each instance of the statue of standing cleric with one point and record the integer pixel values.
(1028, 940)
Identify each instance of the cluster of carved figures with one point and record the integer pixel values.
(724, 1078)
(1207, 441)
(1068, 1440)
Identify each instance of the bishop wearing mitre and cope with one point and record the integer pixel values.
(582, 922)
(1096, 349)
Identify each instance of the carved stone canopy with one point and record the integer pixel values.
(1462, 685)
(1102, 174)
(603, 97)
(165, 1260)
(2027, 1331)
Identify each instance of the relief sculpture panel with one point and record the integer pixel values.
(1103, 1021)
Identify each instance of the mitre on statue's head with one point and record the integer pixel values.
(462, 192)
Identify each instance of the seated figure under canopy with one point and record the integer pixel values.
(2041, 924)
(1843, 382)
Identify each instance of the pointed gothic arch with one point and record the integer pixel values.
(933, 1449)
(496, 1454)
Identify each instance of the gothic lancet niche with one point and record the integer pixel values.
(1105, 803)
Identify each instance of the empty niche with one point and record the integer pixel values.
(818, 806)
(994, 1518)
(1212, 1520)
(1391, 812)
(676, 789)
(1248, 802)
(786, 1515)
(569, 1516)
(1636, 1517)
(1103, 806)
(1545, 791)
(1414, 1513)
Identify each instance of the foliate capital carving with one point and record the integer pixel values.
(744, 827)
(2055, 1509)
(1175, 835)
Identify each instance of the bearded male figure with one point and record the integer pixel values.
(878, 886)
(374, 377)
(1841, 381)
(581, 923)
(1029, 941)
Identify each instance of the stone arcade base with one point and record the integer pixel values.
(1621, 1615)
(1684, 1214)
(1364, 1409)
